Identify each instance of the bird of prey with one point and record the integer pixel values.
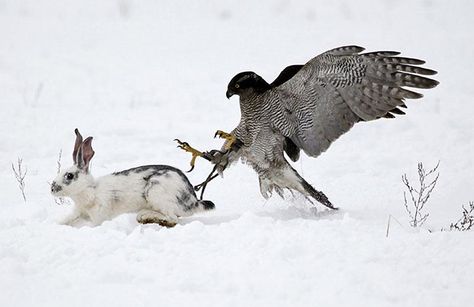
(308, 107)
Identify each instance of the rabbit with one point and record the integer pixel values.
(157, 193)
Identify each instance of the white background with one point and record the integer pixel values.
(137, 74)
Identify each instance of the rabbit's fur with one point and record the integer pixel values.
(157, 193)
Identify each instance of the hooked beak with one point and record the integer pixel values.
(229, 94)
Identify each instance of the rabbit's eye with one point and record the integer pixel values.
(69, 176)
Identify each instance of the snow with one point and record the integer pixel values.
(137, 74)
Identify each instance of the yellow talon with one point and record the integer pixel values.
(230, 139)
(194, 152)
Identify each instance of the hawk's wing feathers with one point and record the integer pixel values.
(286, 75)
(340, 87)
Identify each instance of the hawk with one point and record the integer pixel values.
(308, 107)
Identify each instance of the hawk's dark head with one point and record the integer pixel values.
(246, 82)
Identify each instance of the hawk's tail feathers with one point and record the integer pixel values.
(317, 195)
(288, 178)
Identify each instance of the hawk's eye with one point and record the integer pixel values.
(69, 176)
(237, 85)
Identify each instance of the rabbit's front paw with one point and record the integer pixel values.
(75, 219)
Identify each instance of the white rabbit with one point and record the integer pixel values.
(157, 193)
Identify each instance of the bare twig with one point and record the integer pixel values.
(390, 217)
(466, 221)
(419, 197)
(388, 225)
(59, 161)
(38, 91)
(32, 99)
(124, 8)
(59, 200)
(20, 175)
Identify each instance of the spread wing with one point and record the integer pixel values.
(286, 74)
(324, 98)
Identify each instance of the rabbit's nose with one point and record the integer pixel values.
(55, 188)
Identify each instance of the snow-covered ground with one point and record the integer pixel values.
(137, 74)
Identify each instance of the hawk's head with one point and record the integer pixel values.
(246, 82)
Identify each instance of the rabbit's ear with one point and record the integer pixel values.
(85, 154)
(77, 146)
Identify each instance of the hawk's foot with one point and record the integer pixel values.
(230, 139)
(194, 152)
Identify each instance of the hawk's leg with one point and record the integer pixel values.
(203, 184)
(194, 152)
(230, 139)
